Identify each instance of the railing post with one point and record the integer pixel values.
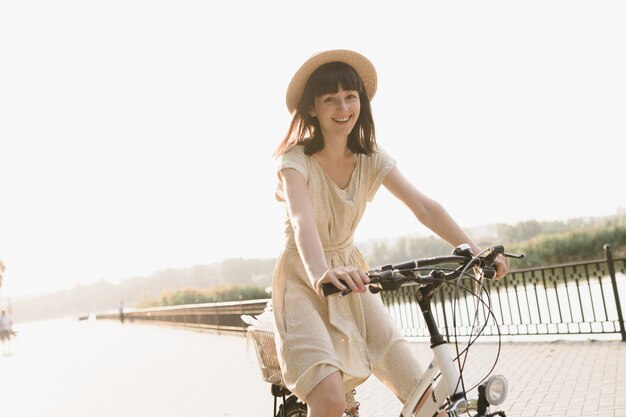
(611, 266)
(445, 316)
(217, 318)
(243, 323)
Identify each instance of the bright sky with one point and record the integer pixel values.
(138, 135)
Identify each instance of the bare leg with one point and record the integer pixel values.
(327, 399)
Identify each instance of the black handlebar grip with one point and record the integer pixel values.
(495, 251)
(329, 289)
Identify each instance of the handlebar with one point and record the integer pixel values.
(392, 277)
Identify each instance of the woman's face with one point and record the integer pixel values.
(337, 112)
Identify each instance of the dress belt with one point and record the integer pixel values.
(335, 248)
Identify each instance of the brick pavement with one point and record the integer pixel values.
(548, 379)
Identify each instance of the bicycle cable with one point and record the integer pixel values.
(487, 305)
(488, 313)
(483, 304)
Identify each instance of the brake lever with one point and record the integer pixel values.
(385, 280)
(487, 263)
(375, 279)
(489, 272)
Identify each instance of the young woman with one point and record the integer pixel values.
(329, 167)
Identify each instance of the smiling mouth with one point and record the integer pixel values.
(343, 119)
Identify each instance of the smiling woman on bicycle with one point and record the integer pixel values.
(329, 167)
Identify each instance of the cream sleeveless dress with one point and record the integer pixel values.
(354, 334)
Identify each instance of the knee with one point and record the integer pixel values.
(333, 405)
(327, 398)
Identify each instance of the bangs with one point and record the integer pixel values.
(328, 77)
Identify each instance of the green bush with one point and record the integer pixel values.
(542, 243)
(214, 294)
(574, 246)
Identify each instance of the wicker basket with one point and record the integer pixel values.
(266, 353)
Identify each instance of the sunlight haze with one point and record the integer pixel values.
(137, 136)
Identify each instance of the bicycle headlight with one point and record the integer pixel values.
(496, 389)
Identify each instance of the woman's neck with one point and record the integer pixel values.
(335, 148)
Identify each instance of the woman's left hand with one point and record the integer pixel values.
(502, 266)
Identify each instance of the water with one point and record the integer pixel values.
(67, 368)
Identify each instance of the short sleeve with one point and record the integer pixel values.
(294, 158)
(381, 164)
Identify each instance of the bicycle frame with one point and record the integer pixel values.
(448, 385)
(440, 388)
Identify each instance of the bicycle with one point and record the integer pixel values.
(442, 388)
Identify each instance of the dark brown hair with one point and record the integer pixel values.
(305, 129)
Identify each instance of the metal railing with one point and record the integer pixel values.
(220, 317)
(576, 298)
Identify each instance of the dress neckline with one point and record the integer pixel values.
(350, 181)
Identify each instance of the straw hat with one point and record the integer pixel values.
(361, 65)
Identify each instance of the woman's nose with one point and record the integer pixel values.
(342, 104)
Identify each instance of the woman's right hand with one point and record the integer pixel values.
(353, 277)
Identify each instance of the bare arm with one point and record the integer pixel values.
(302, 217)
(432, 215)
